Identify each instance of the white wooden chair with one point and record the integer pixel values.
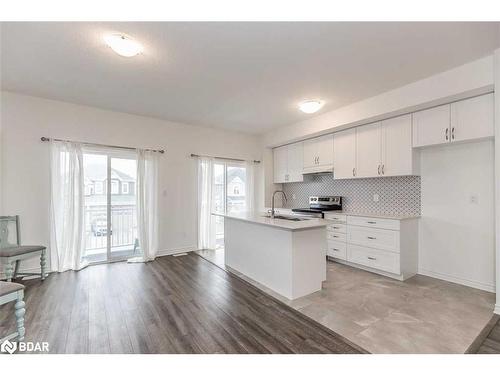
(14, 292)
(11, 251)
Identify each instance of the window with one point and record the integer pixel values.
(115, 187)
(99, 187)
(124, 187)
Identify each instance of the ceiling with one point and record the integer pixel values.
(241, 76)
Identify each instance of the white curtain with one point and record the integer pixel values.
(206, 224)
(147, 204)
(67, 209)
(249, 185)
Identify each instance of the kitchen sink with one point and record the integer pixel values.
(291, 218)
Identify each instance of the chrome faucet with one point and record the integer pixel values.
(274, 194)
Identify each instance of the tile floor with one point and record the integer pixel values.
(382, 315)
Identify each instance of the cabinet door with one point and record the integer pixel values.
(325, 150)
(280, 164)
(344, 154)
(295, 162)
(397, 151)
(473, 118)
(310, 153)
(432, 126)
(368, 150)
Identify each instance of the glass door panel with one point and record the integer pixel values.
(236, 184)
(219, 202)
(123, 185)
(95, 207)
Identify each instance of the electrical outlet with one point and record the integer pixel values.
(376, 197)
(474, 199)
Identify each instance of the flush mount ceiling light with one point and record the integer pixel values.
(123, 45)
(311, 106)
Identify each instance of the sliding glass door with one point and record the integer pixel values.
(229, 194)
(110, 205)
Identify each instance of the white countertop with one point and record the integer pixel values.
(288, 211)
(259, 218)
(378, 216)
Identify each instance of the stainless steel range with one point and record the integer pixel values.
(317, 205)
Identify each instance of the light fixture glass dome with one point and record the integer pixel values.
(123, 45)
(311, 106)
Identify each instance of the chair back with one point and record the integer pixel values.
(9, 231)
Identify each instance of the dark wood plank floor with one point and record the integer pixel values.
(172, 305)
(488, 342)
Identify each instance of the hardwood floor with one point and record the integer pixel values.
(488, 341)
(172, 305)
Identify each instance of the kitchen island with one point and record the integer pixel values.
(286, 255)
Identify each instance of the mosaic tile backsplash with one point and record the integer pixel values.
(397, 195)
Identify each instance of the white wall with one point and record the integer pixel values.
(25, 160)
(466, 80)
(457, 236)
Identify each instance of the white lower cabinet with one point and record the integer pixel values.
(374, 258)
(387, 246)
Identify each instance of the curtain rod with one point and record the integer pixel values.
(46, 139)
(222, 158)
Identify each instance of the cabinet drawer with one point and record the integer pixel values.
(373, 222)
(379, 259)
(338, 228)
(338, 218)
(336, 236)
(337, 250)
(373, 237)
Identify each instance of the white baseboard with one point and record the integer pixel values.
(458, 280)
(187, 249)
(497, 309)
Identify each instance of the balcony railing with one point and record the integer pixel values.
(123, 227)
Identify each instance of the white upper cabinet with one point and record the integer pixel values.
(288, 163)
(398, 157)
(344, 154)
(280, 164)
(464, 120)
(295, 153)
(432, 126)
(472, 118)
(368, 150)
(318, 154)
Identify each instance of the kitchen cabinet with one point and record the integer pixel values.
(460, 121)
(398, 157)
(288, 163)
(344, 154)
(472, 118)
(318, 154)
(280, 155)
(387, 246)
(432, 126)
(378, 149)
(368, 150)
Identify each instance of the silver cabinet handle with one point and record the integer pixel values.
(354, 172)
(383, 165)
(453, 133)
(371, 222)
(371, 238)
(446, 133)
(379, 169)
(372, 258)
(318, 159)
(335, 249)
(335, 236)
(334, 227)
